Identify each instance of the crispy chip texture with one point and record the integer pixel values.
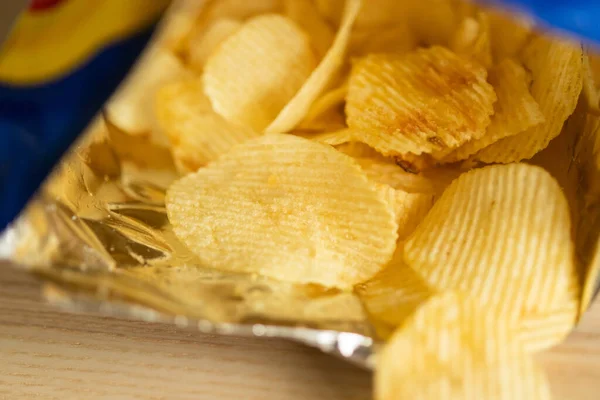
(197, 134)
(556, 68)
(322, 76)
(306, 14)
(515, 111)
(452, 349)
(393, 294)
(425, 101)
(333, 138)
(288, 208)
(255, 72)
(409, 208)
(509, 34)
(538, 331)
(385, 171)
(130, 108)
(501, 234)
(473, 39)
(203, 41)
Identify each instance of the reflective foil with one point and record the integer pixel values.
(98, 233)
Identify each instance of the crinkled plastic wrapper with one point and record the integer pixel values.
(98, 234)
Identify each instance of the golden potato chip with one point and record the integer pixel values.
(203, 41)
(331, 138)
(515, 111)
(556, 67)
(540, 331)
(409, 208)
(177, 24)
(434, 21)
(321, 77)
(590, 283)
(306, 14)
(392, 295)
(287, 208)
(239, 9)
(425, 101)
(333, 98)
(394, 39)
(130, 108)
(385, 171)
(373, 13)
(197, 134)
(330, 121)
(490, 236)
(450, 348)
(590, 90)
(473, 39)
(276, 57)
(510, 34)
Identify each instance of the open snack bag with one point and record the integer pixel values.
(411, 185)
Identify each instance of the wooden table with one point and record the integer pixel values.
(47, 354)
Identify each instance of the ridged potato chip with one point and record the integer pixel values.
(238, 9)
(385, 171)
(331, 99)
(556, 68)
(306, 14)
(197, 135)
(277, 59)
(590, 88)
(510, 34)
(331, 138)
(293, 113)
(450, 348)
(540, 331)
(392, 295)
(409, 208)
(130, 108)
(425, 101)
(394, 39)
(515, 111)
(502, 234)
(203, 41)
(287, 208)
(473, 39)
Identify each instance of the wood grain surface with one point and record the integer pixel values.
(47, 354)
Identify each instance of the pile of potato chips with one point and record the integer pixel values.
(388, 148)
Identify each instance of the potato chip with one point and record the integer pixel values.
(130, 108)
(510, 34)
(392, 295)
(450, 348)
(515, 111)
(306, 14)
(177, 24)
(373, 13)
(385, 171)
(239, 9)
(434, 21)
(276, 57)
(556, 67)
(473, 39)
(331, 138)
(203, 42)
(488, 236)
(425, 101)
(197, 134)
(394, 39)
(330, 121)
(287, 208)
(333, 98)
(540, 331)
(322, 76)
(409, 208)
(590, 90)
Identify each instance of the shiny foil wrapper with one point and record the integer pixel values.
(98, 234)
